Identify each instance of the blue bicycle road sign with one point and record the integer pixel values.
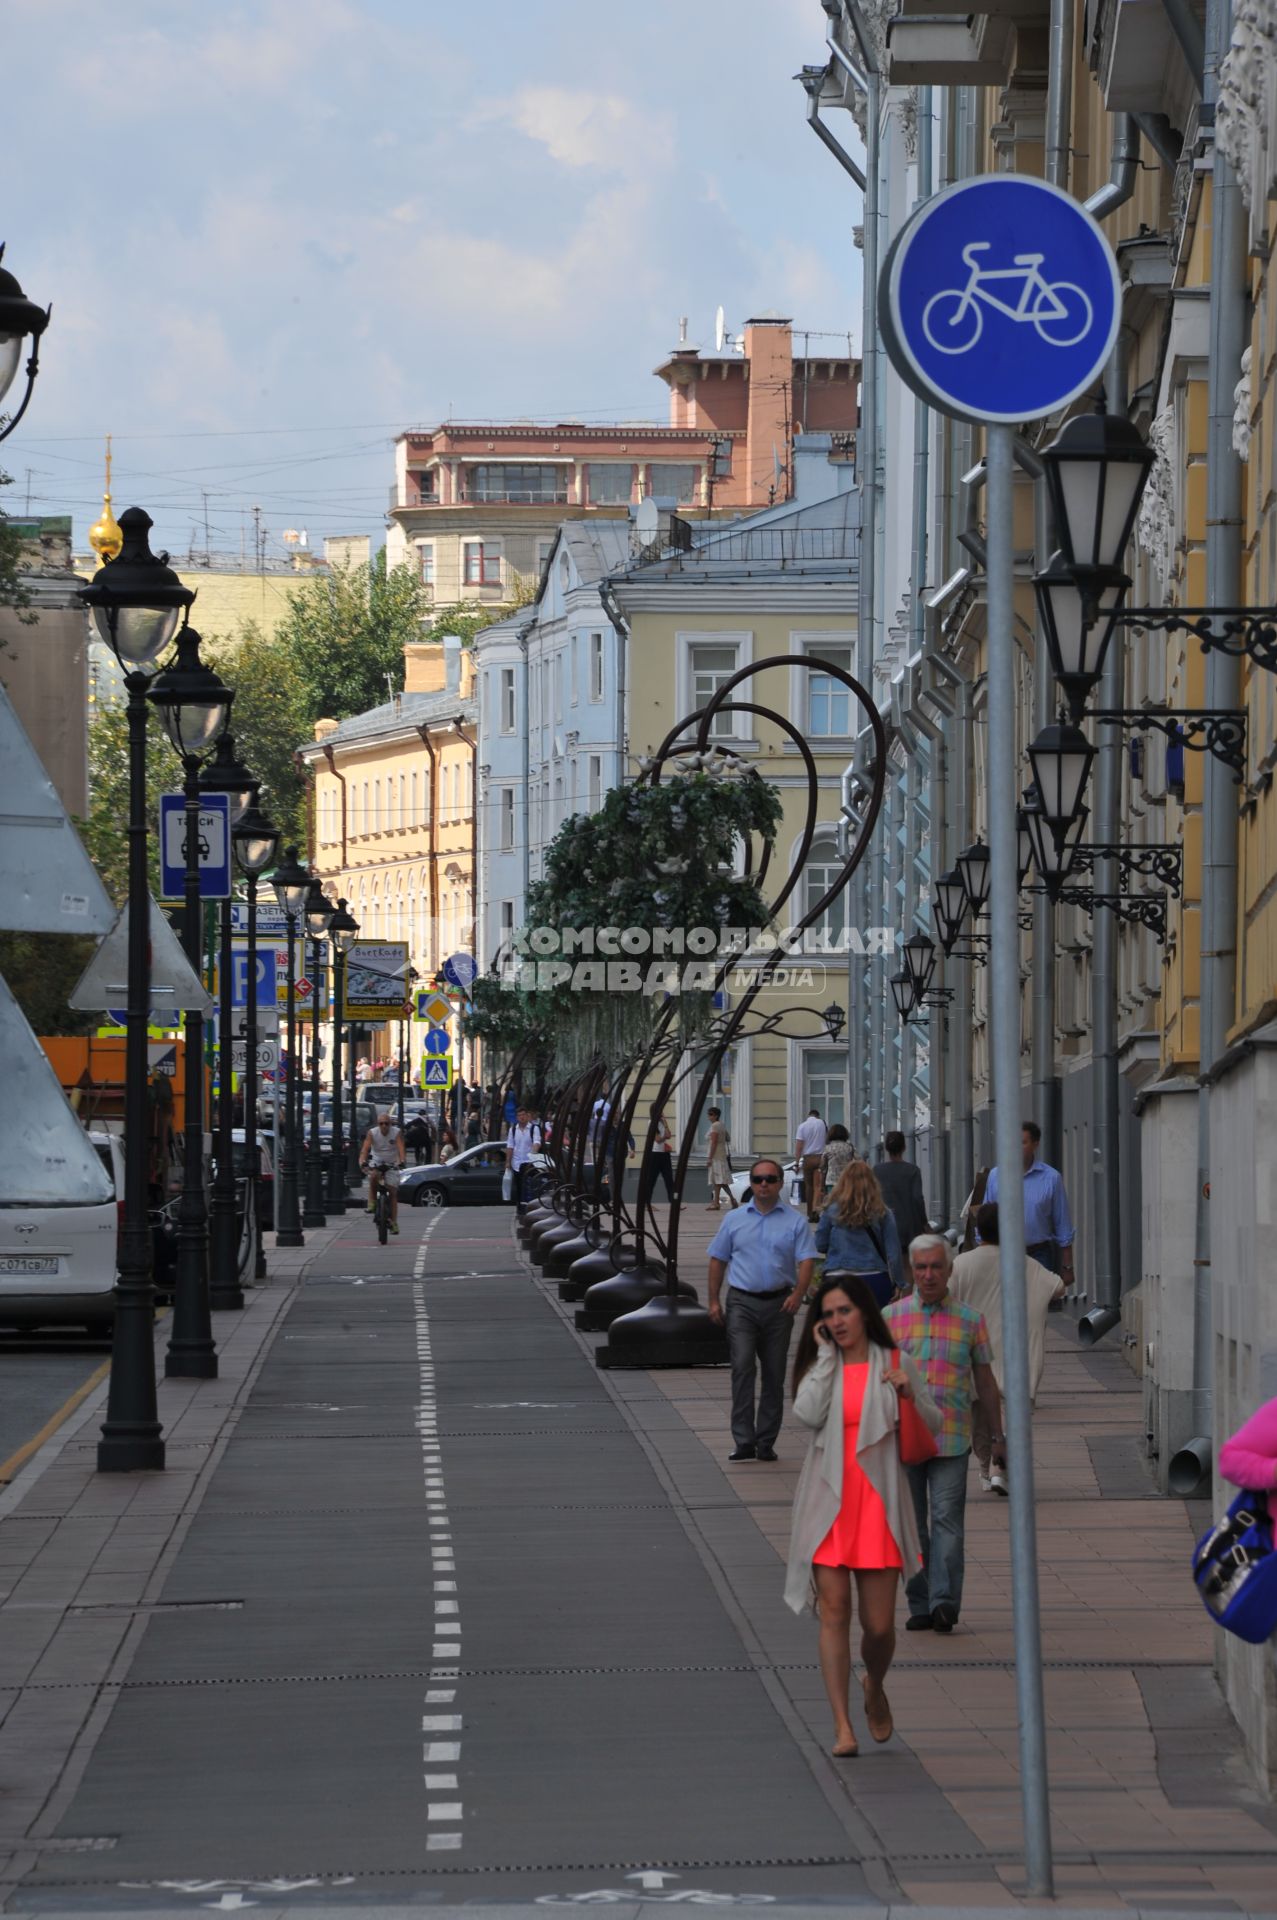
(999, 299)
(459, 970)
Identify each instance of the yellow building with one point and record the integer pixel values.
(392, 811)
(781, 583)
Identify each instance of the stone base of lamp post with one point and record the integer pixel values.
(664, 1333)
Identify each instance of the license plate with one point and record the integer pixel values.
(28, 1263)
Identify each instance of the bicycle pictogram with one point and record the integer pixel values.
(1059, 311)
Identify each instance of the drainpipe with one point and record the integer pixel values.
(1124, 170)
(938, 767)
(1191, 1465)
(432, 958)
(621, 627)
(340, 778)
(1059, 92)
(817, 125)
(459, 728)
(921, 418)
(962, 1156)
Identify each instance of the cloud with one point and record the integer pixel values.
(580, 128)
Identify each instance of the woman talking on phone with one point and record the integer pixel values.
(853, 1514)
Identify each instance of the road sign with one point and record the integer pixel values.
(436, 1073)
(215, 846)
(267, 1056)
(272, 925)
(1000, 299)
(459, 970)
(434, 1007)
(174, 986)
(47, 883)
(265, 976)
(376, 976)
(438, 1041)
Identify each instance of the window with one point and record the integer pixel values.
(426, 549)
(480, 563)
(825, 1083)
(573, 682)
(559, 669)
(594, 792)
(413, 816)
(401, 819)
(507, 923)
(363, 810)
(610, 485)
(507, 819)
(822, 870)
(522, 483)
(469, 788)
(720, 459)
(596, 666)
(674, 480)
(828, 701)
(712, 663)
(507, 720)
(376, 806)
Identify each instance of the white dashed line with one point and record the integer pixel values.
(435, 1752)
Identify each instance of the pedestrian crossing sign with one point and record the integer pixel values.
(436, 1072)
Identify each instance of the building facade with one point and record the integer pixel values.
(475, 508)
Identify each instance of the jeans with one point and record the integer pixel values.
(660, 1165)
(939, 1490)
(758, 1336)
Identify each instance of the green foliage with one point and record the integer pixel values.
(104, 833)
(269, 721)
(652, 856)
(41, 969)
(346, 632)
(12, 591)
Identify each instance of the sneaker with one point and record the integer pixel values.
(986, 1482)
(394, 1226)
(998, 1482)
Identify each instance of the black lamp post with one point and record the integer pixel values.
(194, 704)
(949, 896)
(1023, 833)
(1096, 470)
(225, 773)
(1079, 611)
(902, 993)
(343, 930)
(1061, 759)
(834, 1018)
(973, 868)
(256, 843)
(18, 318)
(920, 964)
(319, 912)
(1053, 853)
(291, 882)
(137, 601)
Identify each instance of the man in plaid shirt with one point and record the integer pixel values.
(950, 1343)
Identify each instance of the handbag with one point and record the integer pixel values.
(507, 1184)
(1235, 1569)
(916, 1441)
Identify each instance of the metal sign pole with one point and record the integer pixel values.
(1004, 999)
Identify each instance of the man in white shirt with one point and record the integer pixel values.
(809, 1144)
(383, 1153)
(977, 1279)
(521, 1142)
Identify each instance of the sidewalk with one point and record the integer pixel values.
(1151, 1799)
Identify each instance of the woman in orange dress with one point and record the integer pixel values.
(853, 1514)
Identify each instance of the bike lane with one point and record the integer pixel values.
(438, 1633)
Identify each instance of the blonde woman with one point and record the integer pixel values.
(857, 1233)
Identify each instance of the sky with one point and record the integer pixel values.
(277, 233)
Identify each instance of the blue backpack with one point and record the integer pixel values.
(1235, 1570)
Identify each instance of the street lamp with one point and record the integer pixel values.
(136, 601)
(973, 869)
(18, 318)
(343, 931)
(834, 1018)
(255, 840)
(1023, 833)
(1061, 759)
(290, 881)
(194, 705)
(225, 773)
(1078, 617)
(949, 897)
(319, 914)
(902, 993)
(920, 964)
(1096, 471)
(1053, 853)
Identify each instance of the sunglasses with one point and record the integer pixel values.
(764, 1179)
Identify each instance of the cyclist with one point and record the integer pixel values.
(382, 1151)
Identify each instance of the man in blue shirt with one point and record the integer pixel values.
(1048, 1224)
(768, 1250)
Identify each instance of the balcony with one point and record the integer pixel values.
(495, 496)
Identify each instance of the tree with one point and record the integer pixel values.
(12, 591)
(104, 833)
(41, 969)
(346, 634)
(269, 721)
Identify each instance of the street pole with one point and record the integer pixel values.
(225, 1293)
(1004, 996)
(250, 1077)
(192, 1354)
(403, 1052)
(336, 1156)
(354, 1143)
(132, 1438)
(314, 1215)
(289, 1231)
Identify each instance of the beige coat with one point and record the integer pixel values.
(819, 1492)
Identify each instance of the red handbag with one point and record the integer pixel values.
(916, 1440)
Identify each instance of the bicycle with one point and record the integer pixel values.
(1043, 304)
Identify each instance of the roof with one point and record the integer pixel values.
(597, 547)
(821, 540)
(409, 710)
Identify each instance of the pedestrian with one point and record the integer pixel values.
(417, 1136)
(1048, 1224)
(950, 1343)
(1249, 1457)
(474, 1125)
(765, 1250)
(660, 1155)
(522, 1141)
(977, 1280)
(901, 1183)
(839, 1153)
(853, 1513)
(809, 1145)
(857, 1234)
(718, 1161)
(971, 1206)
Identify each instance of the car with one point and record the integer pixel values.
(59, 1226)
(791, 1190)
(471, 1178)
